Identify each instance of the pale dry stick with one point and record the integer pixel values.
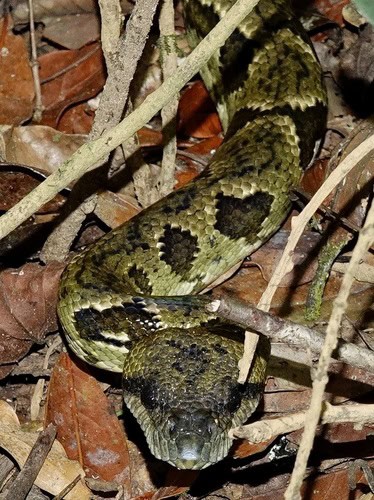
(264, 430)
(117, 51)
(365, 240)
(144, 181)
(37, 395)
(250, 347)
(285, 332)
(57, 246)
(122, 62)
(169, 112)
(130, 48)
(111, 22)
(38, 108)
(299, 222)
(88, 154)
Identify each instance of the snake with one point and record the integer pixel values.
(132, 302)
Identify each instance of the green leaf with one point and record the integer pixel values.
(366, 9)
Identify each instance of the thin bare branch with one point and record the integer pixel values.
(290, 333)
(365, 240)
(264, 430)
(38, 108)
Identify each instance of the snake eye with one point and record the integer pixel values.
(171, 425)
(210, 428)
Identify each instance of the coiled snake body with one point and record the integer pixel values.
(129, 302)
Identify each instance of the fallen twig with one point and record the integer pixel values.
(169, 112)
(264, 430)
(288, 332)
(38, 108)
(365, 240)
(25, 479)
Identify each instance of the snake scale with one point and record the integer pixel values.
(129, 302)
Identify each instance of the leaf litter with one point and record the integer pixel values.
(72, 72)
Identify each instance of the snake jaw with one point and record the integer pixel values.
(190, 440)
(193, 439)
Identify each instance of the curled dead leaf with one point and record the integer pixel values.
(28, 298)
(86, 425)
(68, 77)
(57, 471)
(16, 83)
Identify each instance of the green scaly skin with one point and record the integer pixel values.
(128, 302)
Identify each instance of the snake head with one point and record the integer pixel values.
(195, 439)
(181, 386)
(187, 439)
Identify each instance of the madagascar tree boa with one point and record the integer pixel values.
(129, 302)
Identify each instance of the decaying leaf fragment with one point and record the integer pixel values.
(57, 472)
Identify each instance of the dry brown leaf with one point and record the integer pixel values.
(149, 137)
(197, 114)
(38, 146)
(313, 178)
(68, 77)
(115, 209)
(74, 31)
(350, 198)
(304, 257)
(16, 83)
(331, 9)
(333, 486)
(57, 471)
(77, 119)
(243, 449)
(86, 424)
(47, 8)
(28, 298)
(194, 158)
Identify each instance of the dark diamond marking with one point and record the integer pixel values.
(133, 238)
(140, 279)
(180, 201)
(133, 319)
(146, 388)
(238, 218)
(91, 324)
(235, 56)
(179, 248)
